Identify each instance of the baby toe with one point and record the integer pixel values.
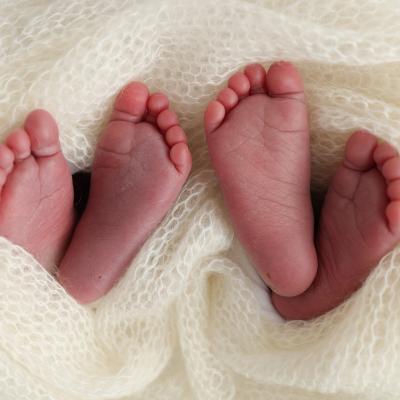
(6, 158)
(359, 151)
(3, 178)
(393, 216)
(181, 158)
(213, 116)
(19, 142)
(393, 190)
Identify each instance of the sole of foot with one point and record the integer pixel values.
(360, 223)
(258, 139)
(142, 161)
(36, 203)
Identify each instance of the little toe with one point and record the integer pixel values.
(131, 103)
(175, 135)
(19, 142)
(283, 80)
(393, 216)
(256, 75)
(6, 158)
(43, 133)
(359, 151)
(157, 103)
(213, 116)
(228, 98)
(240, 84)
(167, 119)
(3, 178)
(384, 152)
(181, 157)
(391, 169)
(393, 190)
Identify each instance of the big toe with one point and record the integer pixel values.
(131, 103)
(19, 143)
(283, 80)
(359, 153)
(43, 133)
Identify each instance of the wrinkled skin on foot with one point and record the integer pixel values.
(359, 224)
(36, 203)
(258, 140)
(142, 161)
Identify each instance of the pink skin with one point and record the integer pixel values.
(260, 151)
(36, 204)
(254, 147)
(142, 160)
(360, 223)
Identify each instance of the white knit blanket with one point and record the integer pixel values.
(190, 319)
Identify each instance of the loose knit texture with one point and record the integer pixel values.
(190, 319)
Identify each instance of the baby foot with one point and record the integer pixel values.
(360, 223)
(36, 203)
(141, 163)
(258, 140)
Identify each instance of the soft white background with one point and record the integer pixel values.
(191, 320)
